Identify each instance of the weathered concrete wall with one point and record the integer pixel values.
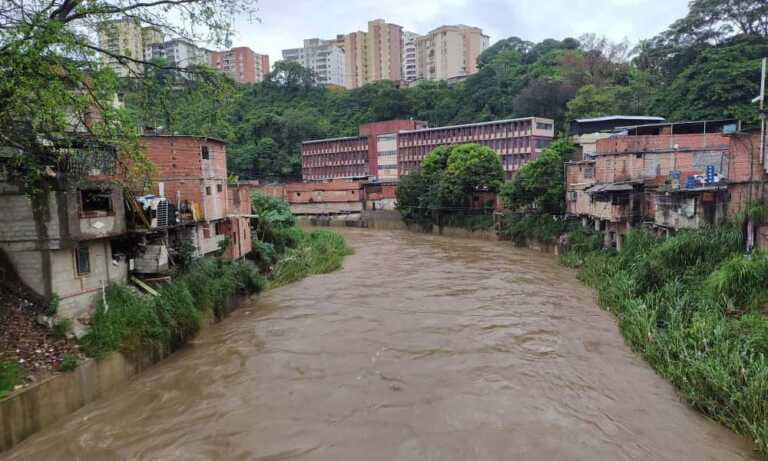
(38, 407)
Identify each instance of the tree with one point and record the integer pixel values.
(539, 185)
(712, 21)
(56, 96)
(411, 195)
(470, 168)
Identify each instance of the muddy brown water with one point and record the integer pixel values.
(421, 348)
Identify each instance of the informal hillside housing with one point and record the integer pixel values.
(87, 231)
(667, 177)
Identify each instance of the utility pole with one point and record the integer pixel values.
(761, 100)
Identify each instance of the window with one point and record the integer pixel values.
(204, 153)
(206, 232)
(95, 203)
(207, 190)
(219, 188)
(82, 259)
(589, 171)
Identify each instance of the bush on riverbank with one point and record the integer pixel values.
(315, 252)
(287, 252)
(131, 321)
(693, 306)
(543, 228)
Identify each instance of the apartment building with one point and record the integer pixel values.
(122, 37)
(665, 177)
(384, 48)
(409, 59)
(241, 63)
(384, 151)
(373, 55)
(323, 57)
(449, 52)
(355, 48)
(178, 53)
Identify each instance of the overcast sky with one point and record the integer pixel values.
(285, 23)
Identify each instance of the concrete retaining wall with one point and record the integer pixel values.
(38, 407)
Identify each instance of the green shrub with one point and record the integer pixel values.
(318, 252)
(131, 321)
(10, 376)
(741, 282)
(53, 305)
(62, 328)
(543, 228)
(69, 363)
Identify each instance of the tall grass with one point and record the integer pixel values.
(315, 252)
(131, 321)
(10, 375)
(692, 306)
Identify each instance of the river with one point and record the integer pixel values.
(421, 348)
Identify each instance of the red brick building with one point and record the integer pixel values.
(666, 177)
(384, 151)
(191, 172)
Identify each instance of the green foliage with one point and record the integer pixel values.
(543, 228)
(53, 305)
(62, 328)
(52, 79)
(741, 282)
(414, 198)
(69, 363)
(470, 168)
(273, 215)
(185, 253)
(674, 300)
(316, 252)
(130, 321)
(539, 185)
(10, 376)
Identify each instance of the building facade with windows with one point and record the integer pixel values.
(666, 177)
(64, 243)
(517, 141)
(323, 57)
(449, 52)
(241, 63)
(409, 59)
(123, 37)
(178, 53)
(384, 151)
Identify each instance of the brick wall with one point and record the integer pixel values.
(180, 166)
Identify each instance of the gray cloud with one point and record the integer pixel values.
(284, 24)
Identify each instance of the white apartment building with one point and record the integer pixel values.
(321, 56)
(178, 53)
(409, 59)
(449, 52)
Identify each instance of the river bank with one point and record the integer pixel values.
(129, 332)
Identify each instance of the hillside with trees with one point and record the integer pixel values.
(704, 66)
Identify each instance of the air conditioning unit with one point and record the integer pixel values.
(156, 210)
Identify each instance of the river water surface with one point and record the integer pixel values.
(421, 348)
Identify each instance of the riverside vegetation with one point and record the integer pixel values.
(694, 306)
